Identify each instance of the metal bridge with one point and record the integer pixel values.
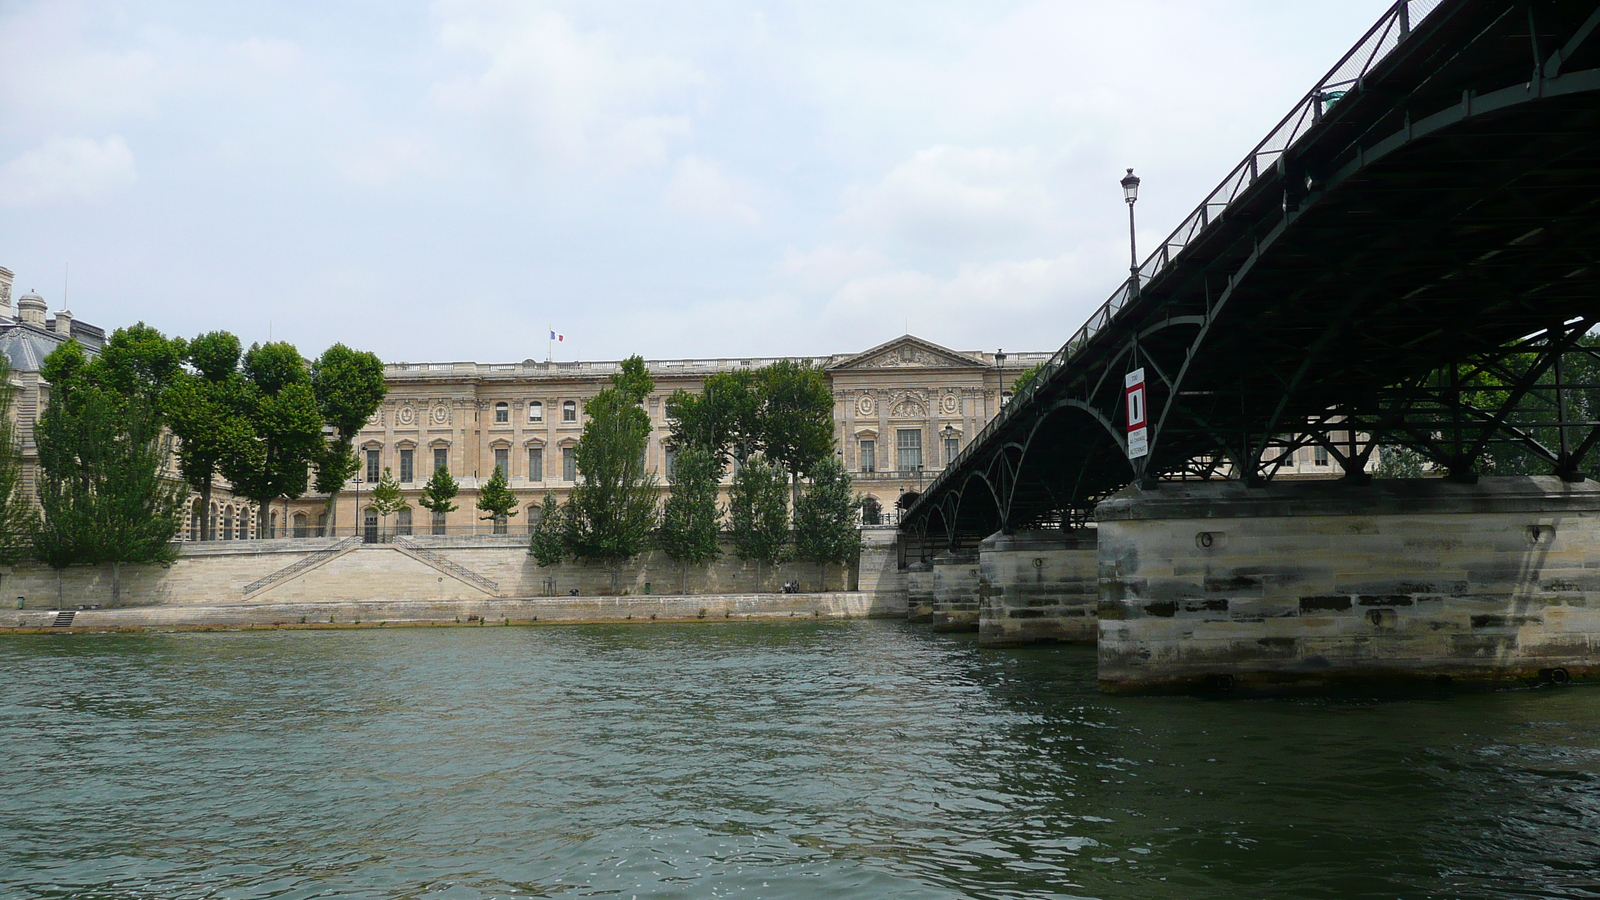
(1405, 260)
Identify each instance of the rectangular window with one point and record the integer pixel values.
(535, 463)
(908, 449)
(569, 411)
(408, 466)
(1319, 455)
(672, 463)
(952, 446)
(502, 461)
(373, 471)
(502, 413)
(569, 464)
(535, 411)
(869, 456)
(441, 458)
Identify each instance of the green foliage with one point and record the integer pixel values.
(102, 491)
(494, 497)
(721, 418)
(758, 512)
(795, 423)
(17, 520)
(825, 518)
(1399, 462)
(548, 540)
(1026, 376)
(386, 497)
(139, 361)
(690, 520)
(279, 405)
(633, 380)
(439, 494)
(203, 410)
(349, 388)
(612, 510)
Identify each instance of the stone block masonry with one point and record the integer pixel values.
(919, 591)
(1292, 585)
(1037, 587)
(955, 591)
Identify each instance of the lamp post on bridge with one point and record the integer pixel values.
(1130, 193)
(999, 380)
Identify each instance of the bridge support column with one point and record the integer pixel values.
(1217, 586)
(955, 591)
(919, 591)
(1037, 587)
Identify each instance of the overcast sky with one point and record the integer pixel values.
(448, 180)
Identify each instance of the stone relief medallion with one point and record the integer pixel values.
(866, 405)
(948, 404)
(440, 414)
(376, 420)
(406, 415)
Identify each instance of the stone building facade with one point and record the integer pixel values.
(901, 410)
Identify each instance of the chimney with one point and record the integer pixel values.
(30, 309)
(62, 323)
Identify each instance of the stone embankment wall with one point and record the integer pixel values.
(1311, 584)
(955, 591)
(423, 568)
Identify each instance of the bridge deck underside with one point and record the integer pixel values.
(1409, 231)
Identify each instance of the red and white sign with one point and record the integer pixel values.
(1138, 434)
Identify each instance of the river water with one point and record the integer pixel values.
(826, 759)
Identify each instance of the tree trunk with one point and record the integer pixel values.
(332, 511)
(263, 515)
(205, 511)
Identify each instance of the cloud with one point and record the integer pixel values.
(570, 95)
(67, 169)
(956, 199)
(699, 187)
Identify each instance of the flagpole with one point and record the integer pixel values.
(550, 347)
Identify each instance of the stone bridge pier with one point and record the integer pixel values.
(955, 591)
(1037, 586)
(1220, 586)
(919, 591)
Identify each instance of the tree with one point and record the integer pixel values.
(203, 409)
(825, 529)
(723, 417)
(496, 499)
(612, 510)
(386, 497)
(280, 407)
(1026, 376)
(690, 520)
(439, 494)
(548, 540)
(103, 494)
(758, 513)
(17, 519)
(796, 418)
(349, 388)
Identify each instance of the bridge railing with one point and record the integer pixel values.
(1373, 47)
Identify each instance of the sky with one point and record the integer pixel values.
(451, 180)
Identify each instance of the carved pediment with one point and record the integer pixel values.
(908, 353)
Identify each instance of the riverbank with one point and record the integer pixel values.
(523, 611)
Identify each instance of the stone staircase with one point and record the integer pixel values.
(304, 565)
(446, 565)
(63, 618)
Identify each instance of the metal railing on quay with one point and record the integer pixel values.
(1346, 75)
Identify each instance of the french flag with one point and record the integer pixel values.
(557, 337)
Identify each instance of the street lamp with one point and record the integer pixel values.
(999, 379)
(948, 434)
(1130, 193)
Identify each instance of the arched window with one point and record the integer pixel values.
(402, 521)
(243, 531)
(439, 525)
(534, 513)
(535, 411)
(871, 512)
(502, 413)
(300, 525)
(227, 523)
(569, 410)
(195, 518)
(322, 524)
(215, 512)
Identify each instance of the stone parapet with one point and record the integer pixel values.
(1312, 584)
(1037, 587)
(955, 591)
